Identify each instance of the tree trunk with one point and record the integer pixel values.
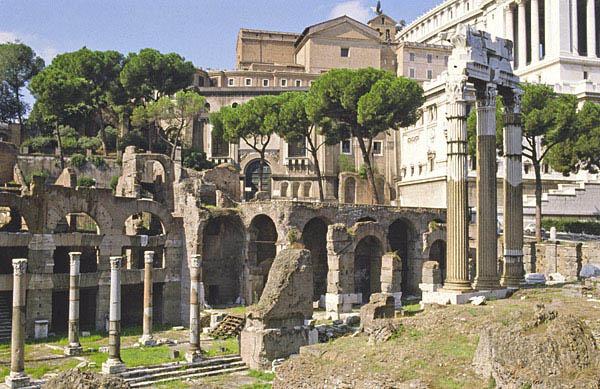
(538, 201)
(318, 171)
(175, 142)
(19, 115)
(370, 174)
(60, 149)
(260, 171)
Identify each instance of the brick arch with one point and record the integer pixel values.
(148, 206)
(362, 230)
(93, 207)
(27, 211)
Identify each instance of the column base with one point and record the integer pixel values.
(113, 366)
(193, 356)
(445, 297)
(457, 286)
(73, 350)
(335, 304)
(486, 283)
(18, 380)
(147, 340)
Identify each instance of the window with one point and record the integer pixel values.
(345, 52)
(420, 169)
(585, 75)
(298, 83)
(431, 164)
(387, 34)
(411, 57)
(283, 82)
(526, 168)
(412, 170)
(429, 74)
(266, 82)
(230, 82)
(297, 149)
(446, 60)
(411, 73)
(429, 58)
(346, 146)
(248, 82)
(377, 147)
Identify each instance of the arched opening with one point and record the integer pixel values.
(367, 267)
(252, 178)
(11, 220)
(314, 238)
(222, 253)
(306, 189)
(84, 224)
(295, 190)
(262, 250)
(398, 239)
(350, 190)
(437, 252)
(153, 181)
(145, 225)
(366, 219)
(283, 189)
(219, 147)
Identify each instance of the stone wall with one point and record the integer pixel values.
(8, 158)
(566, 258)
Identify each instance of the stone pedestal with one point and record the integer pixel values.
(74, 347)
(337, 304)
(194, 353)
(391, 277)
(40, 329)
(444, 297)
(340, 276)
(147, 338)
(114, 364)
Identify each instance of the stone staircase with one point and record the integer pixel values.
(229, 327)
(577, 200)
(146, 376)
(5, 316)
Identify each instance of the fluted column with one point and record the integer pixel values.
(535, 31)
(574, 28)
(591, 28)
(194, 353)
(74, 347)
(457, 277)
(17, 377)
(512, 273)
(487, 212)
(114, 364)
(509, 21)
(522, 36)
(147, 338)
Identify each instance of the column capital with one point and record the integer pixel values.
(486, 96)
(196, 261)
(520, 3)
(74, 256)
(19, 266)
(116, 262)
(148, 256)
(456, 89)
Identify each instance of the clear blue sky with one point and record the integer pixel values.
(203, 31)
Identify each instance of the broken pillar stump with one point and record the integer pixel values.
(380, 306)
(275, 325)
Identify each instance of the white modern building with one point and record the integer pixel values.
(565, 33)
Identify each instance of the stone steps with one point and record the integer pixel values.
(230, 326)
(147, 376)
(5, 317)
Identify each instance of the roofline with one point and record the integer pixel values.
(267, 31)
(306, 29)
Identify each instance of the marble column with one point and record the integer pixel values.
(114, 364)
(522, 35)
(574, 28)
(535, 31)
(509, 32)
(74, 347)
(487, 211)
(194, 353)
(457, 277)
(512, 273)
(591, 28)
(147, 339)
(17, 377)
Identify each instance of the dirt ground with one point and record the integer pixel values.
(433, 348)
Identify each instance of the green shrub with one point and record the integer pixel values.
(362, 172)
(114, 180)
(196, 160)
(36, 173)
(346, 164)
(97, 161)
(78, 160)
(574, 226)
(89, 143)
(133, 138)
(86, 182)
(110, 134)
(41, 144)
(69, 140)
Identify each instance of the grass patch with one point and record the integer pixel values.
(237, 311)
(176, 384)
(257, 386)
(412, 308)
(448, 383)
(142, 356)
(222, 347)
(458, 346)
(261, 375)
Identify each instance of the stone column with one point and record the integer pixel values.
(457, 278)
(509, 25)
(114, 364)
(194, 353)
(522, 36)
(535, 31)
(147, 339)
(17, 377)
(574, 28)
(591, 28)
(74, 347)
(340, 293)
(512, 273)
(487, 211)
